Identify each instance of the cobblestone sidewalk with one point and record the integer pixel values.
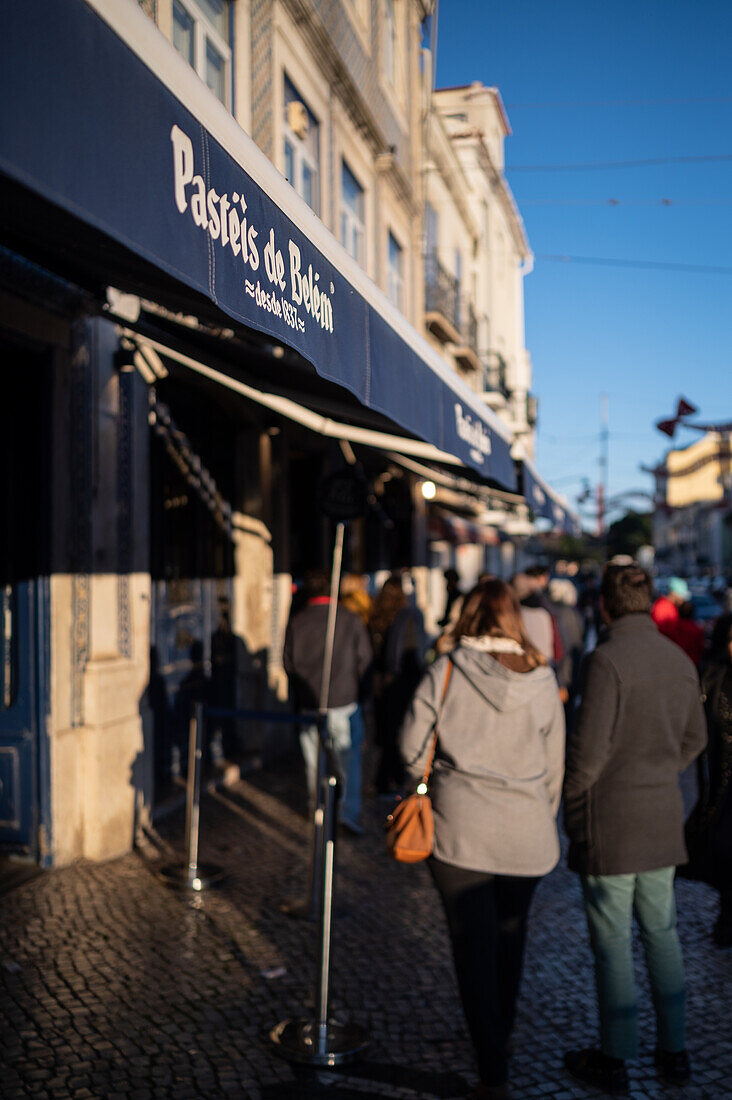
(114, 987)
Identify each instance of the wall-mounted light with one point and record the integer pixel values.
(126, 306)
(429, 490)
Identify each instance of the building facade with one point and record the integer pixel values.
(692, 522)
(213, 294)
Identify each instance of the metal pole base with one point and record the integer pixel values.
(178, 876)
(303, 1041)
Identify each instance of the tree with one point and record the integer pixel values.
(583, 549)
(627, 534)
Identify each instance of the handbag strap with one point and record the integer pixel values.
(428, 768)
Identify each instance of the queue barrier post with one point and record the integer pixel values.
(197, 877)
(321, 1040)
(193, 875)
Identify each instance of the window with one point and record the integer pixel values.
(395, 273)
(215, 72)
(390, 41)
(184, 33)
(352, 214)
(301, 147)
(201, 35)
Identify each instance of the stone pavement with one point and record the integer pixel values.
(115, 987)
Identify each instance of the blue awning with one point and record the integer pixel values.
(545, 502)
(162, 168)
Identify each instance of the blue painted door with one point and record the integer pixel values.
(24, 486)
(18, 796)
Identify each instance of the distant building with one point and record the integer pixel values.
(692, 522)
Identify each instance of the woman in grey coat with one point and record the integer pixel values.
(495, 790)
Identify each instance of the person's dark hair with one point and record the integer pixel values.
(316, 583)
(721, 637)
(686, 610)
(386, 606)
(492, 608)
(625, 590)
(536, 571)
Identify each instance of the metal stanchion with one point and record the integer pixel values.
(193, 875)
(322, 1041)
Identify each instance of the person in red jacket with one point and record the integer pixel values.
(686, 633)
(666, 608)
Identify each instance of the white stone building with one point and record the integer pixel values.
(192, 343)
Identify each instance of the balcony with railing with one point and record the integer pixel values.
(449, 316)
(466, 349)
(495, 375)
(442, 301)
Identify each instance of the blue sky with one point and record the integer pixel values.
(642, 336)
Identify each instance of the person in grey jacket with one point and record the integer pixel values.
(350, 681)
(495, 790)
(640, 723)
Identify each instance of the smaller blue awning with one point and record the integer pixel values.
(545, 502)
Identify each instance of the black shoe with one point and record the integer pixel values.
(595, 1068)
(673, 1066)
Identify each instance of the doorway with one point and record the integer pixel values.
(24, 497)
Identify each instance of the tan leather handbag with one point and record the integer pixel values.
(410, 827)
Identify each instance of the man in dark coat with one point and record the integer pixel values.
(303, 657)
(640, 723)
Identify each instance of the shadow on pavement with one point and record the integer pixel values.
(427, 1082)
(326, 1084)
(15, 872)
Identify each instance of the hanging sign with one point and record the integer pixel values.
(342, 495)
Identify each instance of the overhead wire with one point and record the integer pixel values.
(648, 265)
(648, 162)
(674, 102)
(625, 202)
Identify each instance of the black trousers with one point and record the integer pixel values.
(486, 917)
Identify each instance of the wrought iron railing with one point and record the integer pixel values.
(495, 372)
(471, 328)
(441, 291)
